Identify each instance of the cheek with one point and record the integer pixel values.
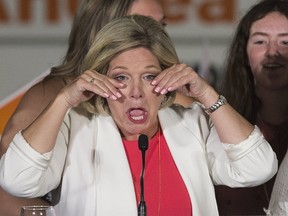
(116, 108)
(157, 100)
(253, 58)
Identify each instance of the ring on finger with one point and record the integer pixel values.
(92, 80)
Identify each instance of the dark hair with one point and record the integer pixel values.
(238, 86)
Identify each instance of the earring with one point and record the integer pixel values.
(102, 101)
(164, 100)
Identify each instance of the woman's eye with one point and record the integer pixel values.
(150, 77)
(285, 43)
(259, 42)
(120, 78)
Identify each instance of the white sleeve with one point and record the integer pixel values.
(25, 172)
(249, 163)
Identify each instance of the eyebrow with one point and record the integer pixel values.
(152, 66)
(146, 67)
(265, 34)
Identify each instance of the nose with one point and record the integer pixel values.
(273, 50)
(136, 89)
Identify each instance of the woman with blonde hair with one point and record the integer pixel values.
(91, 16)
(87, 138)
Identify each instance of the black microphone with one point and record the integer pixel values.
(143, 146)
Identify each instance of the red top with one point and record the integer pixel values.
(164, 190)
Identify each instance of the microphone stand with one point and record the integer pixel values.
(143, 146)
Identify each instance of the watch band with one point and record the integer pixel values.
(220, 102)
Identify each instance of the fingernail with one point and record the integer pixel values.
(113, 97)
(118, 95)
(164, 91)
(157, 89)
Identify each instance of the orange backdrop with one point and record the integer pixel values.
(7, 110)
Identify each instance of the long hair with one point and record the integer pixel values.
(238, 86)
(91, 16)
(121, 35)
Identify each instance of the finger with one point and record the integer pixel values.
(100, 76)
(162, 79)
(77, 91)
(105, 85)
(162, 75)
(85, 83)
(183, 78)
(170, 77)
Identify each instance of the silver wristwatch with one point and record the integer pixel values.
(221, 101)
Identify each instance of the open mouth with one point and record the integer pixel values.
(137, 115)
(271, 66)
(274, 64)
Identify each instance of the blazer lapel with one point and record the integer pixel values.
(188, 151)
(114, 185)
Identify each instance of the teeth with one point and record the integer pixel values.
(272, 65)
(137, 117)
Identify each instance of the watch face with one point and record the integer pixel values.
(223, 99)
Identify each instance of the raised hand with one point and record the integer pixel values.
(182, 78)
(88, 84)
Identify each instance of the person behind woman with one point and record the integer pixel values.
(89, 19)
(256, 85)
(87, 136)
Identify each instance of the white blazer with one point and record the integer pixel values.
(96, 180)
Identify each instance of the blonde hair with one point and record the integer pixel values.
(123, 34)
